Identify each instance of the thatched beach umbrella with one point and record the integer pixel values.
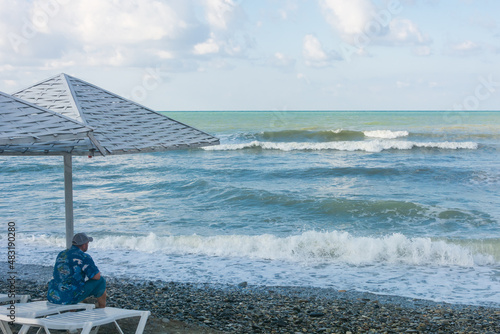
(120, 126)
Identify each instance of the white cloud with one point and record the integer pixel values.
(314, 54)
(313, 50)
(6, 68)
(13, 18)
(360, 23)
(9, 83)
(94, 31)
(278, 60)
(283, 14)
(220, 14)
(208, 47)
(301, 76)
(282, 60)
(225, 20)
(402, 84)
(348, 17)
(58, 64)
(164, 54)
(126, 22)
(403, 31)
(67, 33)
(464, 48)
(288, 10)
(95, 23)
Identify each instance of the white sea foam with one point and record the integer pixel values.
(311, 246)
(394, 264)
(386, 134)
(367, 146)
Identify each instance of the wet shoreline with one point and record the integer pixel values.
(214, 308)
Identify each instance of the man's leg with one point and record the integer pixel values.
(96, 288)
(101, 301)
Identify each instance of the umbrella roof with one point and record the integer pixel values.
(27, 129)
(120, 126)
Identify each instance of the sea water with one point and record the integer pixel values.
(400, 203)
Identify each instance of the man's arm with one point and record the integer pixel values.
(90, 268)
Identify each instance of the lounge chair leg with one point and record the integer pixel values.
(5, 328)
(25, 328)
(95, 330)
(142, 323)
(24, 298)
(118, 327)
(86, 328)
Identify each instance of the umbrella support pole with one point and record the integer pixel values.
(68, 198)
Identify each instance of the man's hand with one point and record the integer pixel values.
(97, 276)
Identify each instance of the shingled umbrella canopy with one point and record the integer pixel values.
(27, 129)
(120, 126)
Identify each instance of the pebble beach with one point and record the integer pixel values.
(212, 308)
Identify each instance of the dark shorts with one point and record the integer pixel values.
(93, 287)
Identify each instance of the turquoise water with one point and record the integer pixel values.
(402, 203)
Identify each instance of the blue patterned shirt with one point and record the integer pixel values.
(71, 270)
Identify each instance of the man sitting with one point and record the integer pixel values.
(76, 277)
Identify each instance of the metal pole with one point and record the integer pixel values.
(68, 198)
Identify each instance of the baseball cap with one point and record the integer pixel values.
(80, 239)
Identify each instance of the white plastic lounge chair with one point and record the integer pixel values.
(26, 312)
(19, 298)
(86, 320)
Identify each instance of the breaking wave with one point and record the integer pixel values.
(311, 246)
(387, 134)
(319, 135)
(367, 146)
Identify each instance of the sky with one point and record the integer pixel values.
(183, 55)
